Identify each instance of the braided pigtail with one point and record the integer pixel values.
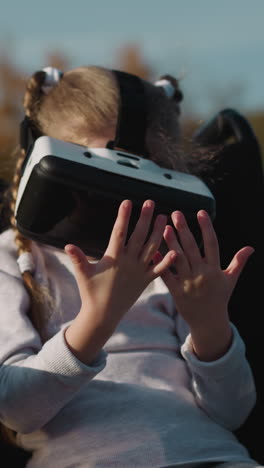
(40, 295)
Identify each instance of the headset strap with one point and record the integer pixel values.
(132, 115)
(28, 134)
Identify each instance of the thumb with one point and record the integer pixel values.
(238, 262)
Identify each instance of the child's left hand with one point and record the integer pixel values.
(201, 289)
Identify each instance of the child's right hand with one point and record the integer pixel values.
(110, 287)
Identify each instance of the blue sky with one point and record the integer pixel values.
(216, 46)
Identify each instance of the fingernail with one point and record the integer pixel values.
(68, 249)
(148, 203)
(178, 218)
(202, 213)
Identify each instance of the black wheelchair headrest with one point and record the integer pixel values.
(226, 124)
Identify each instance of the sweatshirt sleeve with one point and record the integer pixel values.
(36, 380)
(224, 388)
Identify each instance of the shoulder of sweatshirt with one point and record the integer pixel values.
(8, 253)
(7, 240)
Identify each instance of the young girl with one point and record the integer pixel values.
(120, 362)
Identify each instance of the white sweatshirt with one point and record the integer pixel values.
(145, 402)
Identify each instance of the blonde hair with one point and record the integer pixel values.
(81, 106)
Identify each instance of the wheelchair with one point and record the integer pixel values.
(238, 187)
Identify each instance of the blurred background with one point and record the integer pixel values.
(215, 48)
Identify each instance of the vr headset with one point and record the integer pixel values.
(70, 193)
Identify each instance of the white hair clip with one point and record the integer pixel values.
(53, 76)
(26, 263)
(167, 86)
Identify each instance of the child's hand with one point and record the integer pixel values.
(201, 289)
(110, 287)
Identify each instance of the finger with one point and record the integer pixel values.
(153, 244)
(157, 258)
(120, 228)
(161, 264)
(170, 280)
(138, 236)
(82, 267)
(210, 242)
(183, 267)
(187, 239)
(238, 262)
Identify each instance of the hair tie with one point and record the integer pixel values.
(167, 86)
(26, 263)
(170, 89)
(52, 78)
